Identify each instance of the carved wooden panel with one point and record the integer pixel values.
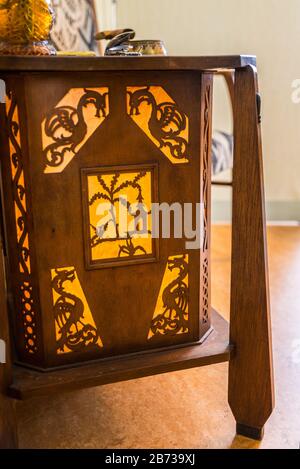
(24, 299)
(162, 120)
(117, 213)
(74, 323)
(171, 315)
(86, 288)
(206, 179)
(17, 174)
(69, 125)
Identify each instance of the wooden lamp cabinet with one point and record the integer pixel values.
(85, 310)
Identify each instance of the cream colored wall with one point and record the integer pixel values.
(106, 14)
(268, 28)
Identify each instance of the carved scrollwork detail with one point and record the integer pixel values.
(25, 294)
(112, 195)
(205, 199)
(205, 291)
(173, 319)
(66, 126)
(205, 159)
(75, 327)
(19, 194)
(166, 124)
(29, 319)
(119, 214)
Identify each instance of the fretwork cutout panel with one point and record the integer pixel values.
(171, 315)
(117, 207)
(161, 119)
(74, 324)
(69, 125)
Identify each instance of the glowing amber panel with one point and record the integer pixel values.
(171, 314)
(26, 304)
(70, 124)
(119, 213)
(161, 119)
(74, 324)
(17, 174)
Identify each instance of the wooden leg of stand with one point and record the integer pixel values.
(251, 395)
(8, 419)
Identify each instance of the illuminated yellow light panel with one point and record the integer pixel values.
(70, 124)
(171, 314)
(120, 204)
(160, 118)
(75, 328)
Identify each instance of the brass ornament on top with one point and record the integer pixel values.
(25, 27)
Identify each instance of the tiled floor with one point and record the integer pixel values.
(186, 409)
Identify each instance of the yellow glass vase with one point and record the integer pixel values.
(25, 27)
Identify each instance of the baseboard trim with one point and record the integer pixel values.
(288, 211)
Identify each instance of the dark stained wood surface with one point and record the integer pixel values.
(216, 349)
(49, 64)
(251, 393)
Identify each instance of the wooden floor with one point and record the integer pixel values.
(185, 409)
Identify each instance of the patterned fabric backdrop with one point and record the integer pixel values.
(75, 25)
